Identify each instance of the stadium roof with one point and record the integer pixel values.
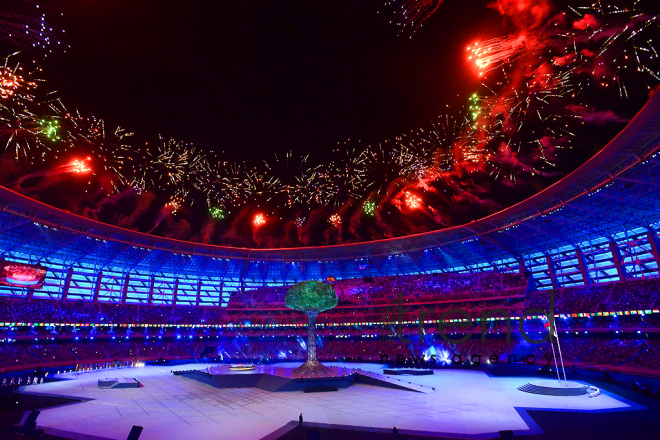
(611, 200)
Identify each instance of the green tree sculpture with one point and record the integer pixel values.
(311, 298)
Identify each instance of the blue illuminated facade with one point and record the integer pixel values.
(596, 225)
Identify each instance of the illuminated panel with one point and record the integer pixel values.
(187, 291)
(313, 270)
(509, 265)
(538, 265)
(636, 255)
(53, 283)
(211, 293)
(164, 290)
(111, 287)
(138, 288)
(83, 282)
(567, 267)
(599, 261)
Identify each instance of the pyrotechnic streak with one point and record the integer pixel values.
(110, 148)
(258, 221)
(491, 54)
(217, 213)
(21, 129)
(77, 166)
(412, 13)
(335, 220)
(170, 208)
(412, 201)
(173, 206)
(532, 103)
(369, 207)
(23, 23)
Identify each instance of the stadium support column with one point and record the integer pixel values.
(521, 266)
(151, 290)
(176, 290)
(583, 266)
(551, 271)
(199, 292)
(616, 256)
(97, 287)
(222, 285)
(124, 292)
(655, 249)
(67, 283)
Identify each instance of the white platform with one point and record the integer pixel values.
(465, 403)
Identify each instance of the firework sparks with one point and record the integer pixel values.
(258, 221)
(110, 148)
(369, 207)
(413, 201)
(411, 14)
(491, 54)
(335, 220)
(23, 24)
(217, 213)
(77, 166)
(534, 99)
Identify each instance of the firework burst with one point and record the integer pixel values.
(411, 14)
(24, 24)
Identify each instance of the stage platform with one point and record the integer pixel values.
(276, 379)
(466, 404)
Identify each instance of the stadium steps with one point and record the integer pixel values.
(581, 357)
(642, 349)
(37, 355)
(73, 352)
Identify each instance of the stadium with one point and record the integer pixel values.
(116, 297)
(540, 321)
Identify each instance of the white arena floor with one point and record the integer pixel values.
(465, 404)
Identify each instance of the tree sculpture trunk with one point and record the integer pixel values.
(312, 365)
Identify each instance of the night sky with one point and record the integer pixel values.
(250, 78)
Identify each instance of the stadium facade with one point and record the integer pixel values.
(598, 224)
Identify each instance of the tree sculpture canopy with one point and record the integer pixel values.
(311, 296)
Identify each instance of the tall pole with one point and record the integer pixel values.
(555, 357)
(560, 356)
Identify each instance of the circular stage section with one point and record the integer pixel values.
(549, 387)
(241, 367)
